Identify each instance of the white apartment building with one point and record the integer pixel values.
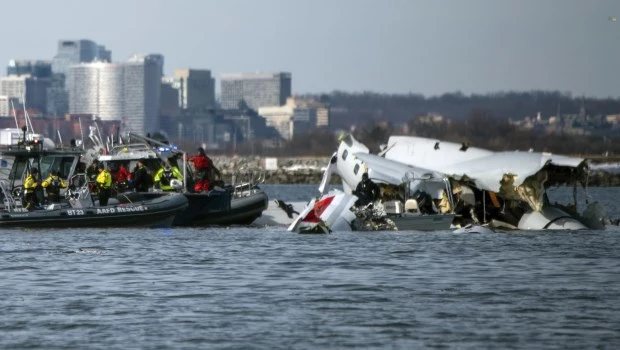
(126, 91)
(7, 104)
(14, 86)
(295, 116)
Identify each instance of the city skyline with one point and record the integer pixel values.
(397, 46)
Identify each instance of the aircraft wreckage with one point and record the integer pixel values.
(473, 187)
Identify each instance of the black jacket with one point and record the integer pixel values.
(367, 191)
(141, 179)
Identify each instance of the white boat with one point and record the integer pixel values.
(280, 213)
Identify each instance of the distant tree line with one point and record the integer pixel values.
(480, 120)
(481, 129)
(358, 108)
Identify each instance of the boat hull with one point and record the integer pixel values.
(243, 211)
(407, 222)
(216, 207)
(151, 213)
(207, 210)
(275, 215)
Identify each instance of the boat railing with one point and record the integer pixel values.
(132, 148)
(11, 203)
(245, 182)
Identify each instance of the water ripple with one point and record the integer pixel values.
(239, 288)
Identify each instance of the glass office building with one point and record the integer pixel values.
(255, 89)
(127, 91)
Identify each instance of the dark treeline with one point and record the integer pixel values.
(480, 120)
(481, 129)
(358, 108)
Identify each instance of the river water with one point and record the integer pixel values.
(265, 288)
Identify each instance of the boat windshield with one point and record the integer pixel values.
(64, 164)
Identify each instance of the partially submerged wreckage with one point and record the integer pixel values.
(458, 184)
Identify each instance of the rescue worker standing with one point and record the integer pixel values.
(30, 186)
(92, 171)
(366, 190)
(141, 178)
(203, 166)
(122, 179)
(104, 182)
(52, 185)
(165, 175)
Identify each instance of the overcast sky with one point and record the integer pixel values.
(393, 46)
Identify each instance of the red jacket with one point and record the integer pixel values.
(201, 185)
(122, 174)
(201, 161)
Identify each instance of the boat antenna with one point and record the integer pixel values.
(59, 137)
(81, 131)
(105, 145)
(93, 137)
(14, 114)
(27, 117)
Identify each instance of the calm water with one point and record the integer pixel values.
(265, 288)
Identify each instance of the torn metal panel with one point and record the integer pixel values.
(515, 175)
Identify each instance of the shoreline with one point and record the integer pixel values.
(308, 170)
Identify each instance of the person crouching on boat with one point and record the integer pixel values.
(367, 191)
(164, 176)
(104, 182)
(30, 187)
(52, 186)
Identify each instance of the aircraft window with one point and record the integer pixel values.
(345, 154)
(356, 169)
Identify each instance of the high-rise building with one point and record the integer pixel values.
(57, 96)
(29, 91)
(7, 104)
(127, 91)
(28, 81)
(196, 88)
(169, 98)
(255, 89)
(103, 54)
(34, 68)
(142, 92)
(295, 117)
(71, 52)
